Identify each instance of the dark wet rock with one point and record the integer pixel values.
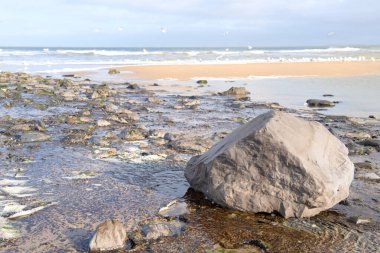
(131, 135)
(328, 95)
(110, 235)
(78, 135)
(236, 91)
(175, 208)
(371, 143)
(65, 83)
(133, 86)
(68, 75)
(355, 149)
(276, 162)
(158, 229)
(33, 137)
(372, 117)
(364, 166)
(113, 71)
(168, 137)
(319, 103)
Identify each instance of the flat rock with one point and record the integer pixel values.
(236, 91)
(364, 166)
(358, 135)
(110, 235)
(34, 137)
(371, 143)
(174, 209)
(158, 229)
(319, 103)
(276, 162)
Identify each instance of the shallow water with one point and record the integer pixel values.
(358, 96)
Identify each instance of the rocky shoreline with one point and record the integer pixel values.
(75, 153)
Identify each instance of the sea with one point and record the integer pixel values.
(357, 96)
(52, 60)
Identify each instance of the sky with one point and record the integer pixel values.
(169, 23)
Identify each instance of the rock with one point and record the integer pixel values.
(369, 176)
(364, 166)
(113, 71)
(371, 143)
(103, 123)
(33, 137)
(194, 145)
(168, 137)
(158, 229)
(236, 91)
(360, 150)
(359, 220)
(68, 75)
(358, 136)
(190, 102)
(276, 162)
(372, 117)
(319, 103)
(110, 235)
(154, 100)
(131, 135)
(328, 95)
(202, 82)
(174, 209)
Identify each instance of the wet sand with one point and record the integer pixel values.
(187, 72)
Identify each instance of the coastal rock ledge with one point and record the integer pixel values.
(275, 163)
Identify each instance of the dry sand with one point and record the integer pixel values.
(186, 72)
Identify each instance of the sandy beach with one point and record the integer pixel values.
(186, 72)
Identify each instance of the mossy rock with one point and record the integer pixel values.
(113, 71)
(202, 82)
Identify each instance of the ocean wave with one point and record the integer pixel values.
(5, 53)
(320, 50)
(110, 52)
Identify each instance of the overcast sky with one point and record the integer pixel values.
(144, 23)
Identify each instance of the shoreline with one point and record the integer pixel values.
(297, 69)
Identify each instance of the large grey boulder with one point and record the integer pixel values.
(276, 162)
(110, 235)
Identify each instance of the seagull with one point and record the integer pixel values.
(120, 29)
(163, 29)
(331, 34)
(250, 47)
(226, 33)
(96, 30)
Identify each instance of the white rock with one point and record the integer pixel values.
(110, 235)
(103, 123)
(359, 136)
(276, 162)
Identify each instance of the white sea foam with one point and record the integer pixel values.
(54, 59)
(321, 50)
